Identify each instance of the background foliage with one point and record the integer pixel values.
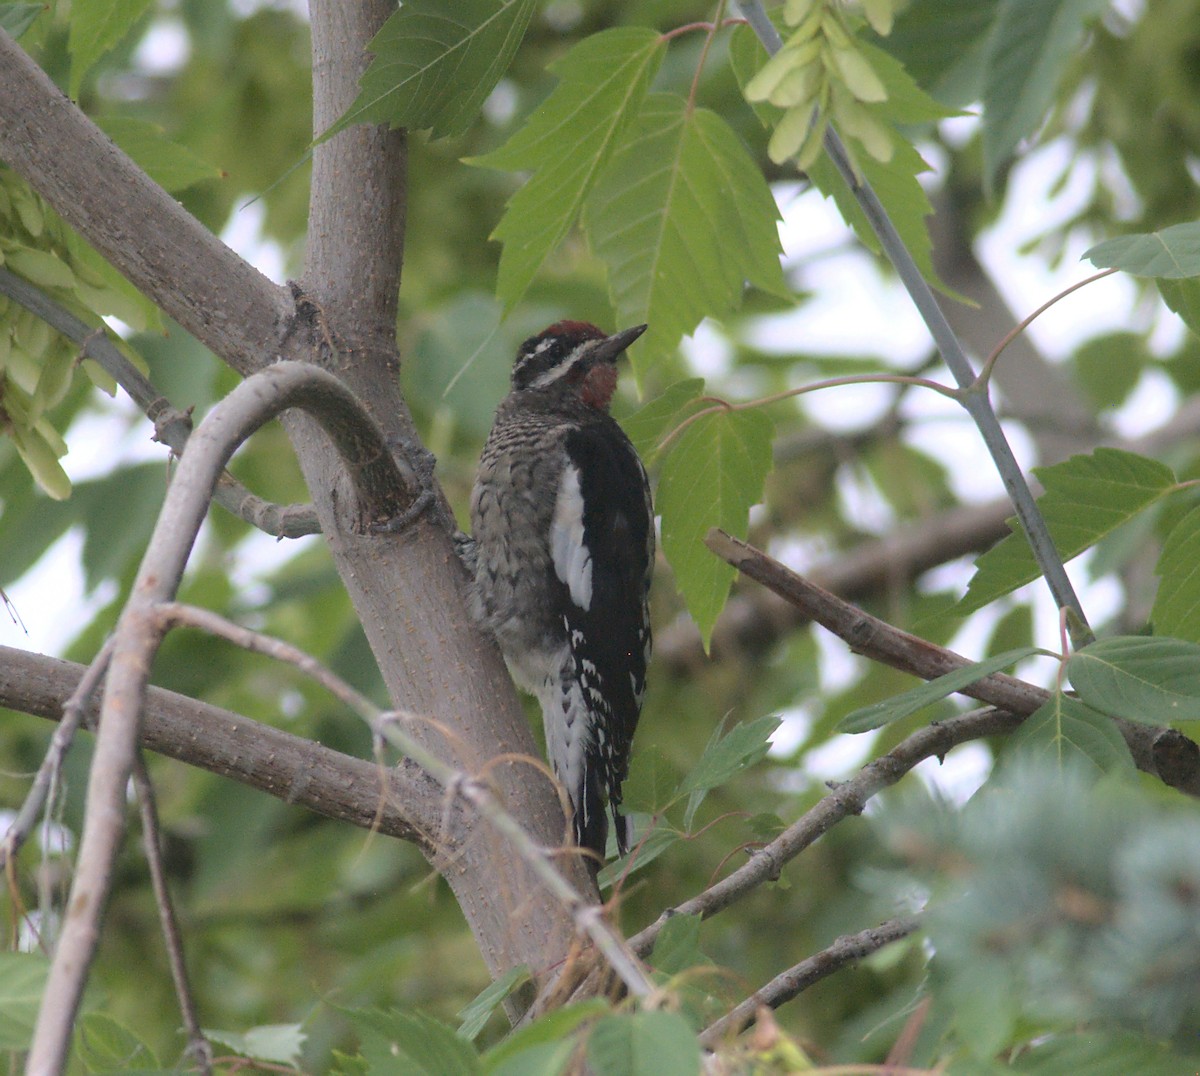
(622, 176)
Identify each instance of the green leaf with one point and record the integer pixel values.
(1173, 253)
(645, 852)
(944, 44)
(713, 474)
(1176, 608)
(96, 26)
(103, 1045)
(278, 1043)
(683, 219)
(677, 946)
(15, 19)
(565, 143)
(644, 1044)
(647, 426)
(171, 165)
(1141, 678)
(412, 1043)
(1031, 45)
(893, 709)
(1100, 1051)
(476, 1014)
(551, 1030)
(728, 753)
(435, 64)
(1109, 367)
(22, 980)
(1065, 730)
(1183, 297)
(894, 180)
(1086, 497)
(651, 783)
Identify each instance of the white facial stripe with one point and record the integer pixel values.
(572, 559)
(558, 370)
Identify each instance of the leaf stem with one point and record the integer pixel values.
(986, 373)
(831, 383)
(713, 27)
(974, 396)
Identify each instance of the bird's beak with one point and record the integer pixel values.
(610, 348)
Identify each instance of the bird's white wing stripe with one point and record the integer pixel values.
(572, 559)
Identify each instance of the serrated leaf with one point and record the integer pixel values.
(104, 1045)
(1031, 44)
(1100, 1051)
(1172, 253)
(1065, 731)
(549, 1030)
(1176, 608)
(565, 143)
(1086, 497)
(647, 426)
(22, 980)
(1141, 678)
(651, 783)
(412, 1043)
(899, 706)
(1183, 297)
(728, 753)
(683, 219)
(677, 946)
(278, 1043)
(1108, 367)
(895, 180)
(96, 26)
(644, 1044)
(434, 64)
(712, 476)
(944, 43)
(15, 19)
(478, 1012)
(171, 165)
(645, 851)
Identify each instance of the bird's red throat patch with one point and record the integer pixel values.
(599, 384)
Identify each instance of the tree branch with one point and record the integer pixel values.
(973, 396)
(139, 632)
(845, 799)
(166, 253)
(198, 1045)
(848, 949)
(1163, 753)
(171, 426)
(406, 805)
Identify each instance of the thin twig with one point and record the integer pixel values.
(720, 405)
(380, 487)
(974, 397)
(1162, 752)
(789, 984)
(588, 918)
(842, 801)
(45, 782)
(198, 1045)
(172, 427)
(985, 374)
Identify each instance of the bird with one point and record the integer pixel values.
(560, 558)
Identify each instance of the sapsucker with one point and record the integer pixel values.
(562, 553)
